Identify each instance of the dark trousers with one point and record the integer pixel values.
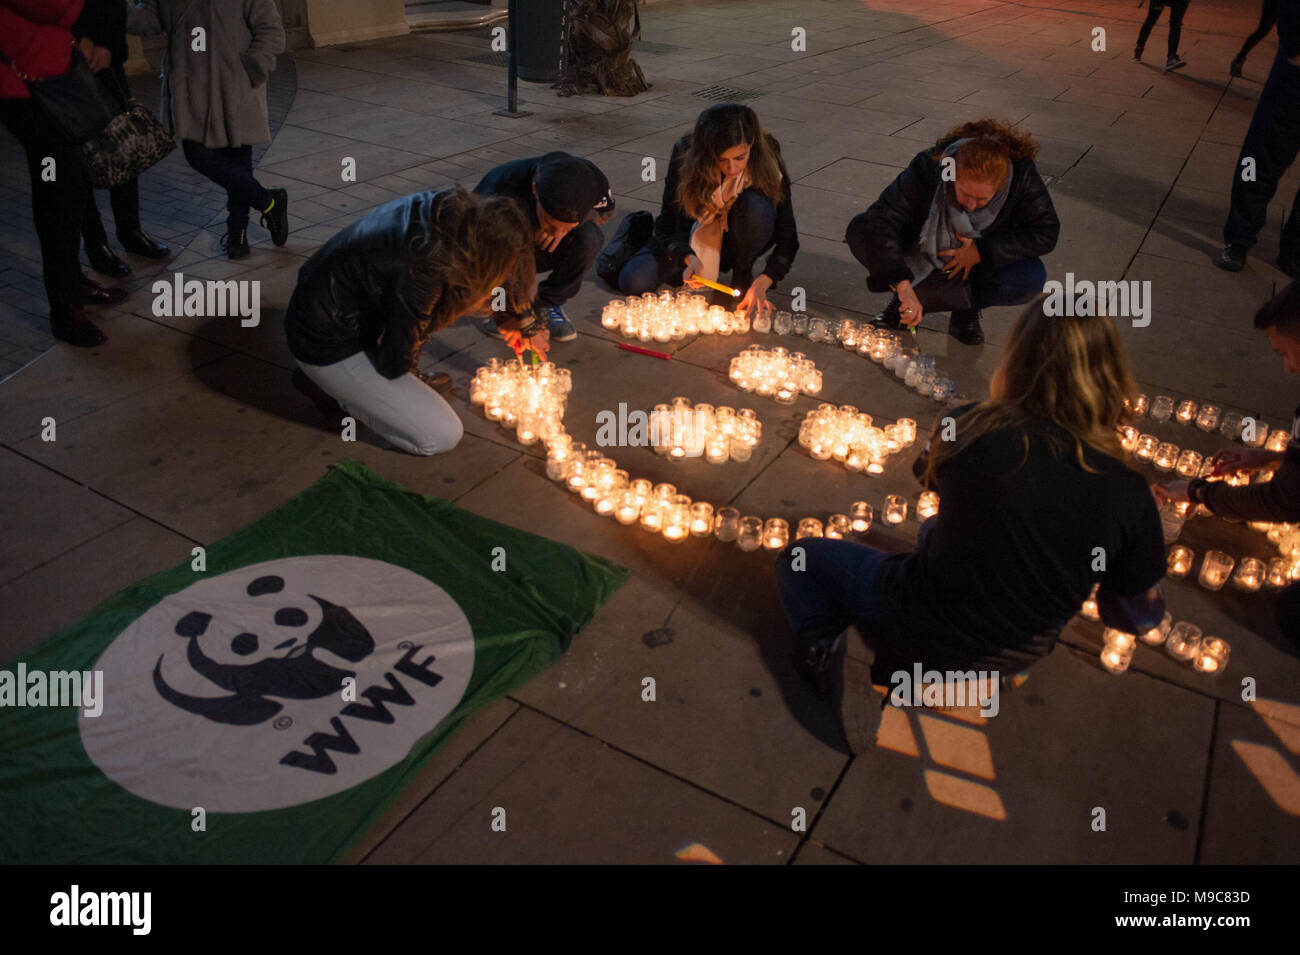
(1288, 612)
(1272, 141)
(231, 168)
(568, 263)
(57, 205)
(1267, 17)
(751, 230)
(1176, 10)
(125, 199)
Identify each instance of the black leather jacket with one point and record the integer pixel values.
(366, 290)
(1027, 227)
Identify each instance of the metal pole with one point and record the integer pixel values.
(512, 71)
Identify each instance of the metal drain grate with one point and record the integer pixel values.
(494, 58)
(727, 94)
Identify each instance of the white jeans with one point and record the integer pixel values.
(404, 411)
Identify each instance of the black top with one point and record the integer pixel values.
(369, 289)
(515, 179)
(1277, 500)
(1011, 554)
(104, 22)
(673, 227)
(1026, 228)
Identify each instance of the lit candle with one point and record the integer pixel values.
(701, 519)
(1179, 561)
(1166, 457)
(1207, 419)
(1128, 437)
(1157, 634)
(652, 515)
(861, 514)
(1138, 406)
(1215, 569)
(629, 507)
(750, 534)
(1186, 411)
(1119, 639)
(1212, 657)
(1146, 447)
(776, 533)
(1278, 440)
(676, 522)
(907, 431)
(927, 505)
(895, 509)
(1183, 641)
(838, 526)
(1189, 464)
(809, 527)
(1277, 574)
(1089, 607)
(1250, 575)
(1115, 660)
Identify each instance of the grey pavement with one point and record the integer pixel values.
(181, 430)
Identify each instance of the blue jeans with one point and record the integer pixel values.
(230, 168)
(1273, 141)
(751, 228)
(568, 263)
(1013, 284)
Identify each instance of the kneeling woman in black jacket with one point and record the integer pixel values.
(369, 298)
(726, 201)
(963, 227)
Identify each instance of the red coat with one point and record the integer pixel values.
(36, 36)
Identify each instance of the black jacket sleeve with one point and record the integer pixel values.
(786, 233)
(1278, 500)
(894, 221)
(408, 320)
(1028, 229)
(672, 227)
(104, 22)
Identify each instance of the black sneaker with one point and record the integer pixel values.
(1175, 62)
(890, 317)
(235, 244)
(1137, 54)
(1234, 68)
(964, 325)
(1232, 258)
(275, 217)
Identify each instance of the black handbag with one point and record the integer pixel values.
(633, 232)
(132, 142)
(75, 102)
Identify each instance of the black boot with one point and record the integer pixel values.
(236, 243)
(815, 654)
(104, 260)
(138, 242)
(964, 325)
(69, 324)
(275, 218)
(1233, 258)
(890, 318)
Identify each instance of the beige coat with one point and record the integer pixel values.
(215, 96)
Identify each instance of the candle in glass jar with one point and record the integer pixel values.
(1216, 567)
(1278, 440)
(1186, 411)
(1230, 427)
(1089, 607)
(750, 535)
(1119, 640)
(1146, 447)
(701, 519)
(776, 533)
(1212, 656)
(906, 431)
(1250, 575)
(1207, 419)
(1183, 641)
(1277, 574)
(628, 510)
(927, 505)
(1138, 406)
(726, 524)
(652, 515)
(676, 522)
(1116, 660)
(895, 509)
(1157, 634)
(861, 514)
(1180, 560)
(1128, 437)
(838, 526)
(1166, 457)
(809, 527)
(1162, 406)
(1189, 464)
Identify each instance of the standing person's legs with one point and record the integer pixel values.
(1272, 142)
(568, 264)
(1267, 17)
(232, 169)
(404, 411)
(1153, 14)
(1176, 10)
(641, 273)
(1013, 284)
(751, 225)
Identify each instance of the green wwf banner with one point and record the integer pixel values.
(291, 690)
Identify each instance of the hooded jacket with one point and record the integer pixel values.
(369, 289)
(1027, 227)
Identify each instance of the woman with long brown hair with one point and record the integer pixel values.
(1036, 506)
(962, 228)
(726, 201)
(367, 301)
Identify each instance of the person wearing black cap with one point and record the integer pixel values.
(566, 200)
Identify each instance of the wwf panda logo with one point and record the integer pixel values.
(278, 683)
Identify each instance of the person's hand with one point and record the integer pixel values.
(538, 340)
(96, 57)
(1243, 459)
(549, 237)
(756, 297)
(909, 306)
(962, 259)
(1173, 491)
(693, 266)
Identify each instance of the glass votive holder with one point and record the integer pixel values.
(1119, 639)
(1212, 657)
(776, 533)
(1158, 634)
(677, 522)
(652, 515)
(1278, 440)
(1230, 427)
(1116, 660)
(1128, 437)
(906, 431)
(895, 509)
(838, 526)
(1250, 574)
(1216, 568)
(1185, 411)
(799, 324)
(1146, 446)
(1138, 406)
(1261, 435)
(1178, 562)
(860, 516)
(782, 323)
(750, 535)
(1183, 641)
(701, 519)
(762, 322)
(927, 505)
(1166, 457)
(1207, 419)
(1172, 519)
(944, 388)
(809, 527)
(726, 524)
(628, 508)
(1277, 577)
(1189, 464)
(1089, 607)
(1162, 406)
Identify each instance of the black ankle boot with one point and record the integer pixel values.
(235, 244)
(138, 242)
(69, 323)
(891, 317)
(815, 653)
(104, 260)
(964, 325)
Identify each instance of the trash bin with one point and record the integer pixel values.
(540, 38)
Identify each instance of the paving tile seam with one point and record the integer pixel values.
(1205, 790)
(6, 581)
(442, 782)
(807, 835)
(821, 845)
(781, 825)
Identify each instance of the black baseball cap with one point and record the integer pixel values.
(568, 187)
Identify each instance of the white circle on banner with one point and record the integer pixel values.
(232, 694)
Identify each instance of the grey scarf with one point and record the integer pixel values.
(945, 221)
